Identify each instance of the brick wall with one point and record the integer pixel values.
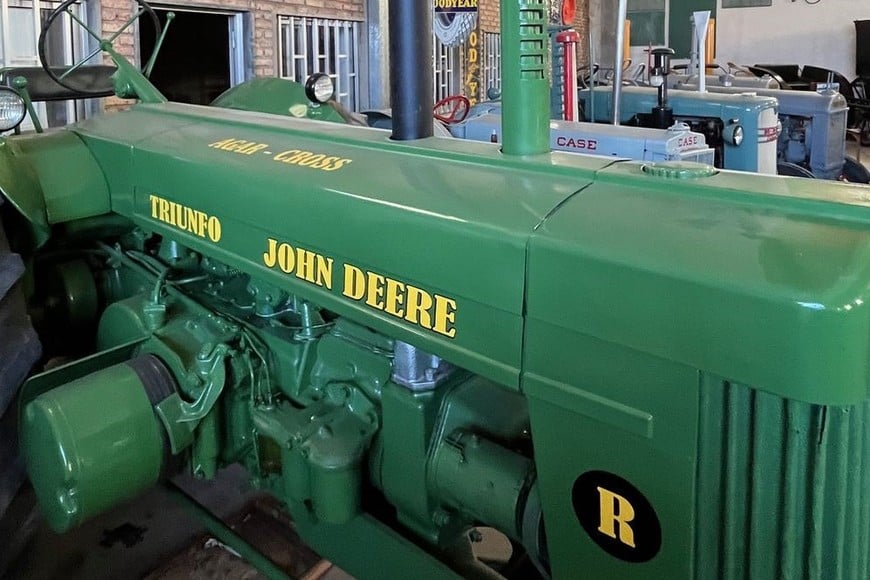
(265, 22)
(265, 19)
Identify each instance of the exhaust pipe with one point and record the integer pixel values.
(411, 84)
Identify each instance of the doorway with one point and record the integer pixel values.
(201, 56)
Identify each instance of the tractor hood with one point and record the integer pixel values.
(432, 253)
(51, 178)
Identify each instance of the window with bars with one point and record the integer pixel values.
(19, 31)
(20, 28)
(447, 69)
(312, 45)
(491, 61)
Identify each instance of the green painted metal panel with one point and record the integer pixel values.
(275, 96)
(585, 400)
(111, 140)
(457, 230)
(72, 183)
(781, 478)
(369, 548)
(767, 288)
(21, 187)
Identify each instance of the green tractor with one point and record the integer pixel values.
(627, 369)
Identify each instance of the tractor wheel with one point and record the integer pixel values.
(19, 351)
(854, 172)
(453, 28)
(793, 170)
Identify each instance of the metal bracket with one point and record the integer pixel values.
(181, 418)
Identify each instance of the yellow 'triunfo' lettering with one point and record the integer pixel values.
(415, 305)
(615, 509)
(186, 218)
(304, 264)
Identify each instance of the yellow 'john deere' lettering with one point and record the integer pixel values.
(615, 509)
(415, 305)
(399, 299)
(304, 264)
(186, 218)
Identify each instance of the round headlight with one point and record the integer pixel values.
(319, 88)
(12, 109)
(733, 135)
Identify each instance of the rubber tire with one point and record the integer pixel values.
(453, 28)
(793, 170)
(20, 349)
(854, 172)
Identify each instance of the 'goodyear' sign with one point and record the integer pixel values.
(455, 5)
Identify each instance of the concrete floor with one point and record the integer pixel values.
(152, 537)
(127, 542)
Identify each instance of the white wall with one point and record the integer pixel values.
(792, 32)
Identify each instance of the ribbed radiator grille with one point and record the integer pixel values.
(783, 488)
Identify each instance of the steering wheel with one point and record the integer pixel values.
(61, 74)
(452, 109)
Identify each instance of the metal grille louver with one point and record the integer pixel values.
(783, 487)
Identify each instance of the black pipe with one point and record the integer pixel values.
(411, 88)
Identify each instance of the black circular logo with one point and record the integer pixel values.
(617, 516)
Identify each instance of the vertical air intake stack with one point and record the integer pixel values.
(411, 88)
(525, 86)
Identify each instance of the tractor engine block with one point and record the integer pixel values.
(181, 382)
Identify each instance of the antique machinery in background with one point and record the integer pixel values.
(676, 143)
(742, 129)
(812, 139)
(404, 337)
